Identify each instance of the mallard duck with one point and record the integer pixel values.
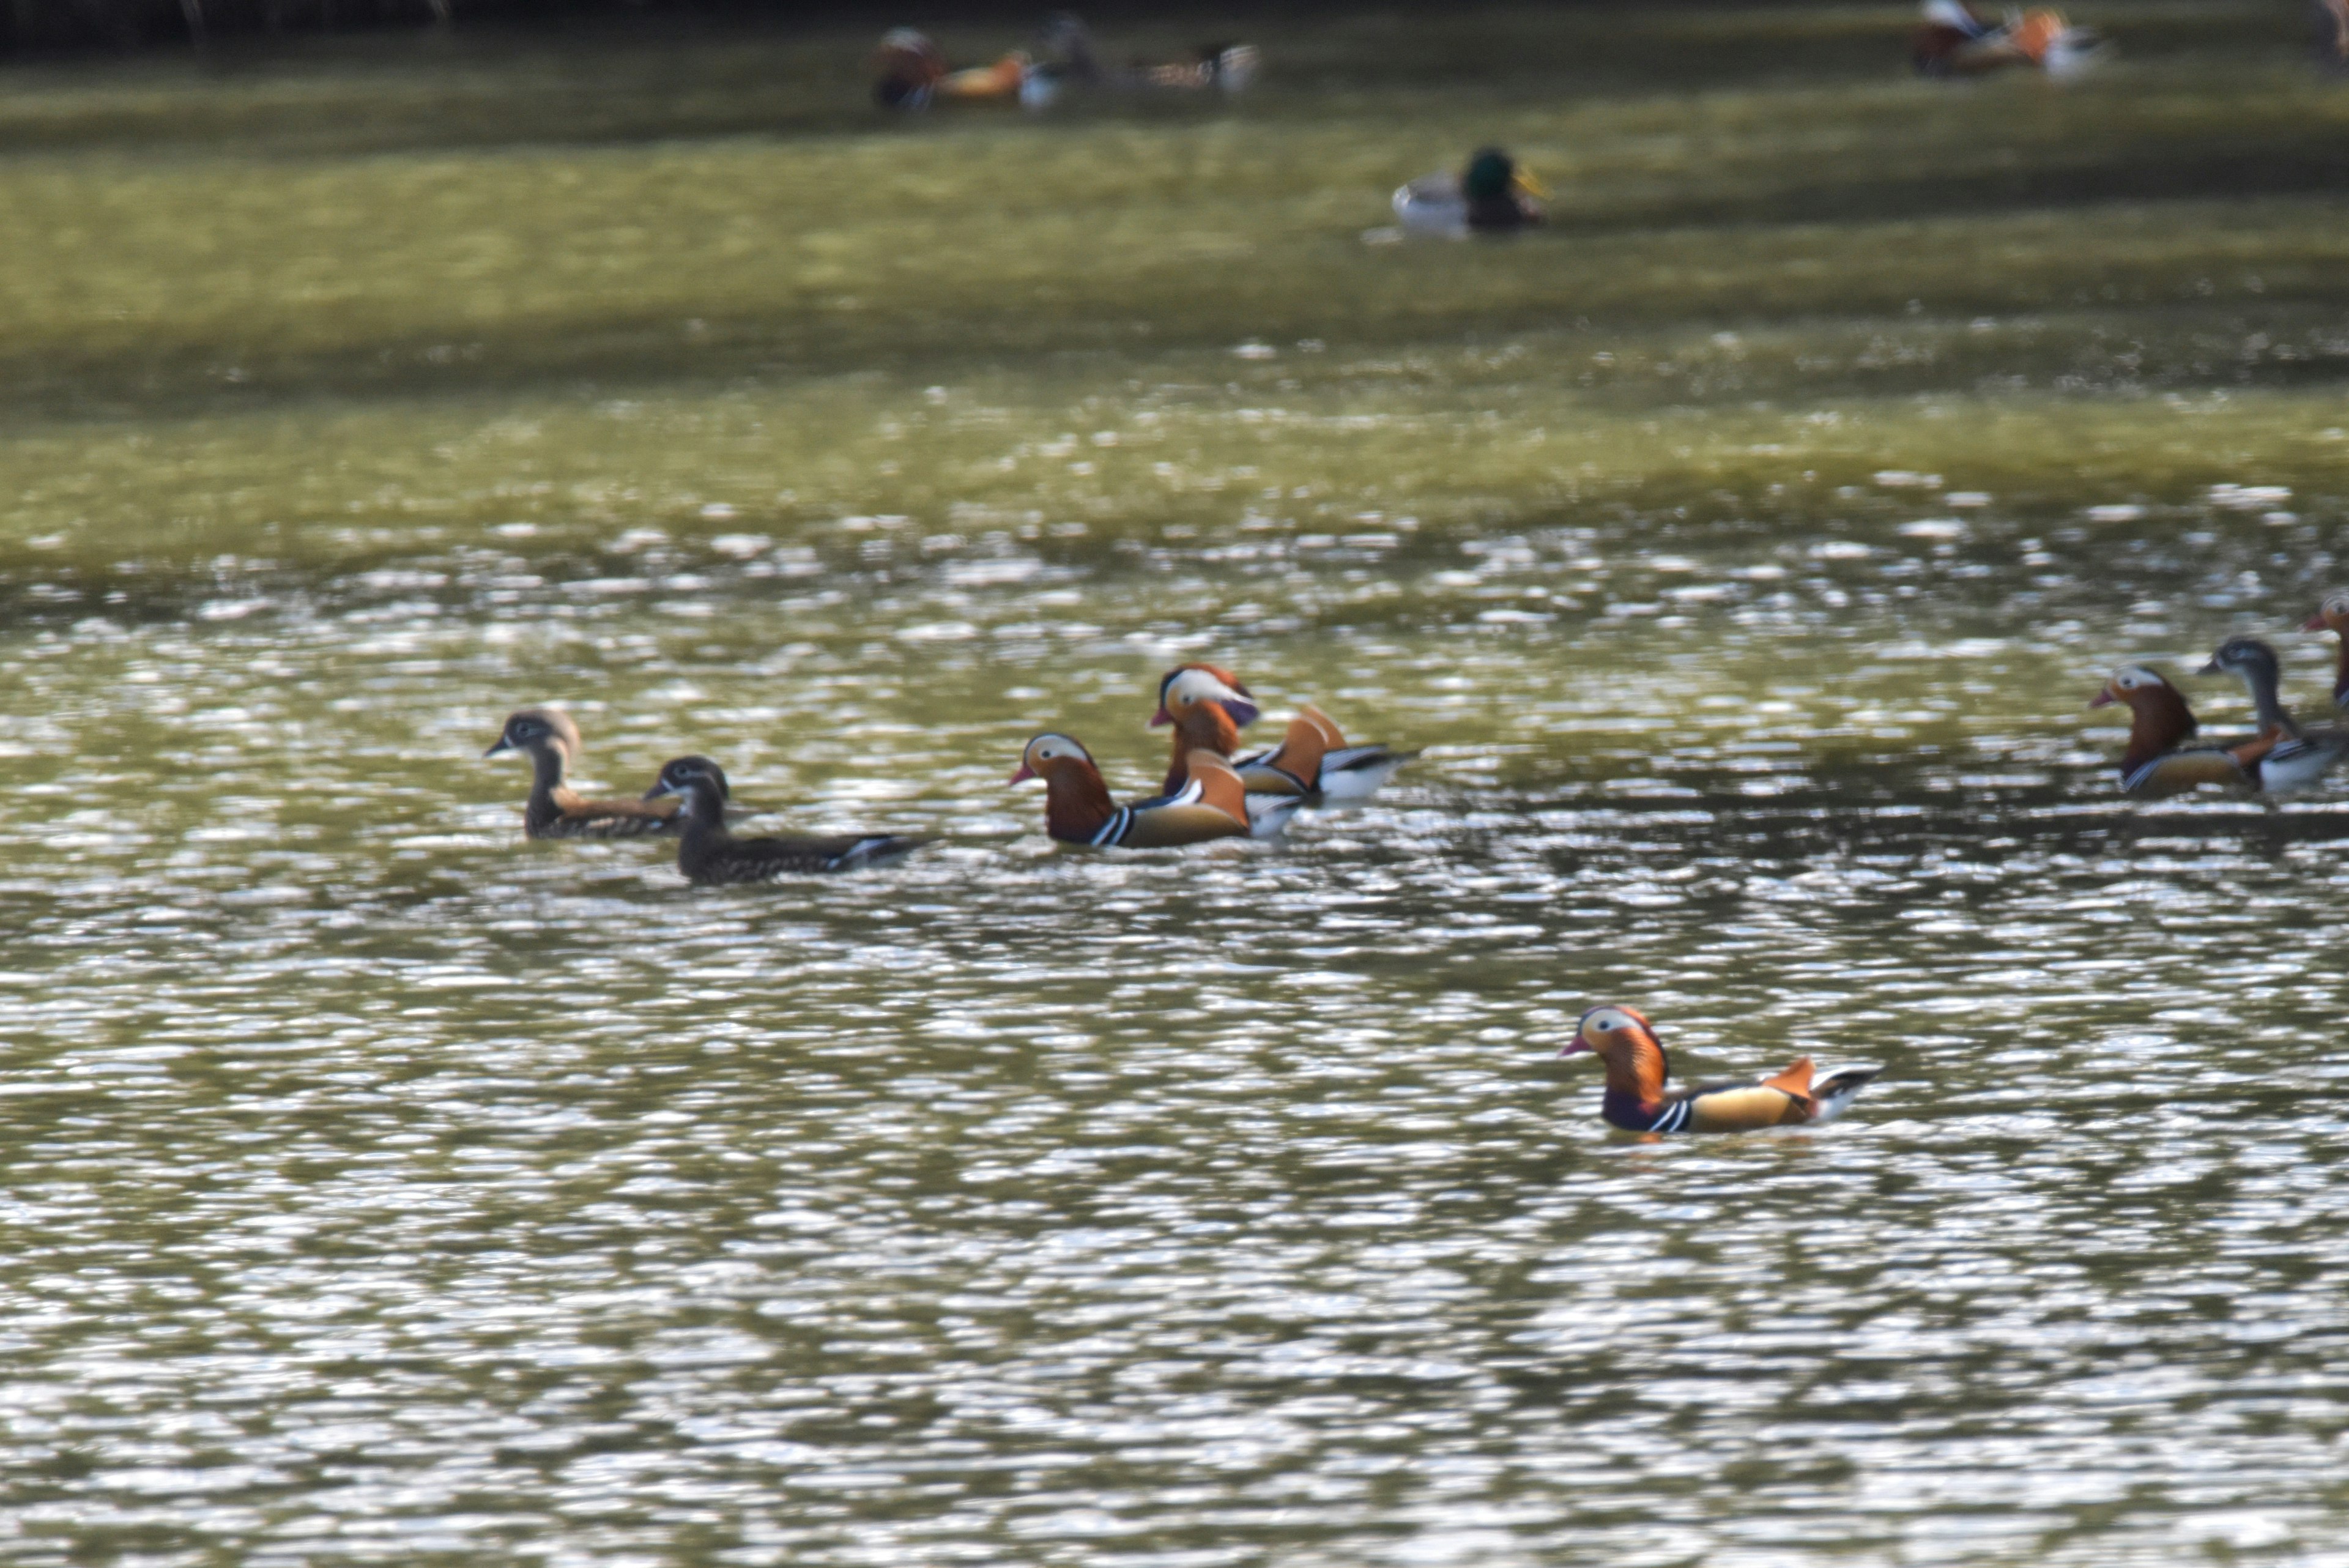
(1491, 195)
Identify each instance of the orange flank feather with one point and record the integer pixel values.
(1219, 788)
(1294, 767)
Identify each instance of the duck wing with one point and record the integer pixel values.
(2175, 773)
(2301, 761)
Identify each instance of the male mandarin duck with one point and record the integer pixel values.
(1211, 804)
(710, 855)
(554, 809)
(1207, 707)
(2285, 757)
(1637, 1101)
(2157, 762)
(2332, 616)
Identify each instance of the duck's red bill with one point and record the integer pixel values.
(1024, 774)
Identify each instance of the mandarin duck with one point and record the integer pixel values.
(2332, 616)
(1211, 804)
(2157, 762)
(710, 854)
(1207, 707)
(1636, 1100)
(2285, 757)
(554, 809)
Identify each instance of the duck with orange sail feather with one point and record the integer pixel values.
(1211, 804)
(1207, 707)
(2157, 762)
(1638, 1098)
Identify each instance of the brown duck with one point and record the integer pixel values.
(710, 854)
(554, 809)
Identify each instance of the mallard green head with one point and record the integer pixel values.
(1490, 173)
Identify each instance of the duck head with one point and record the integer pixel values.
(2159, 719)
(534, 728)
(1204, 683)
(1625, 1045)
(2246, 658)
(1489, 176)
(1492, 175)
(1050, 756)
(2255, 664)
(2332, 615)
(1610, 1029)
(701, 781)
(1202, 701)
(1076, 800)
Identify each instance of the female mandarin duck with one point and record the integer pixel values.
(1209, 706)
(2332, 616)
(1211, 804)
(2284, 757)
(554, 809)
(710, 855)
(2157, 762)
(1636, 1100)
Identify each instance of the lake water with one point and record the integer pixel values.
(380, 1187)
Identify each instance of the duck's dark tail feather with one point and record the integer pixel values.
(875, 849)
(1839, 1088)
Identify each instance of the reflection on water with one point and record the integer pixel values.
(383, 1187)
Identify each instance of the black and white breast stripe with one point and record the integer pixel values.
(1673, 1117)
(1114, 828)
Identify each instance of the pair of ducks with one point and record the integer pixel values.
(2280, 758)
(1211, 790)
(690, 801)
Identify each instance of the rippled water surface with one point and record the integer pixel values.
(378, 1186)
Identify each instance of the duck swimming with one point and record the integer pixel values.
(1211, 803)
(1637, 1101)
(2157, 762)
(1494, 194)
(709, 856)
(2286, 757)
(1207, 708)
(555, 810)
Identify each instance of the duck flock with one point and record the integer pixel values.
(1212, 789)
